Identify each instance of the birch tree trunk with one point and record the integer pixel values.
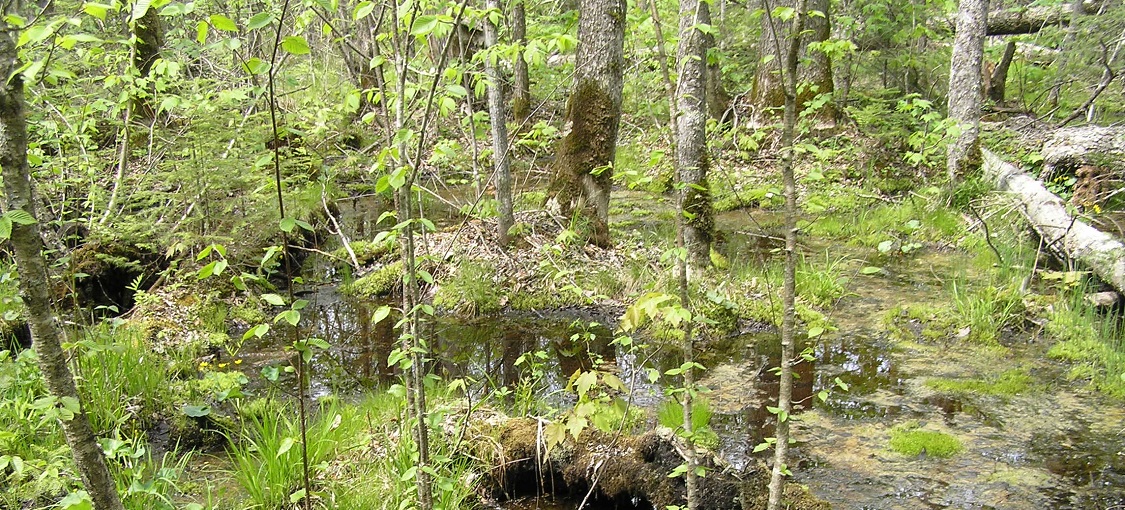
(583, 162)
(34, 283)
(965, 87)
(691, 126)
(1063, 233)
(499, 130)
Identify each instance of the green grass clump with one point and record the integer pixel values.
(472, 290)
(1009, 383)
(1093, 343)
(379, 282)
(910, 440)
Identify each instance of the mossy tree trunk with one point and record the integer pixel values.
(499, 119)
(584, 158)
(965, 87)
(34, 284)
(149, 38)
(768, 91)
(718, 99)
(521, 82)
(691, 140)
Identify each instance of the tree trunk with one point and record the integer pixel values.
(499, 119)
(999, 78)
(767, 93)
(1032, 19)
(521, 82)
(1062, 232)
(718, 99)
(149, 34)
(964, 87)
(691, 130)
(583, 162)
(34, 285)
(789, 285)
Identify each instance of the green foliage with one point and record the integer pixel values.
(123, 384)
(910, 440)
(1091, 341)
(670, 413)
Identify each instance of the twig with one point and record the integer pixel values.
(987, 235)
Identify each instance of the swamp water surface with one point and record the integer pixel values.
(1056, 447)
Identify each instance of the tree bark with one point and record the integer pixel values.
(718, 99)
(691, 130)
(1065, 234)
(789, 282)
(521, 82)
(1032, 19)
(34, 283)
(499, 120)
(965, 85)
(998, 80)
(584, 158)
(148, 33)
(767, 93)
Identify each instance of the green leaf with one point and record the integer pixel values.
(96, 10)
(381, 313)
(869, 270)
(196, 411)
(223, 23)
(207, 271)
(78, 500)
(201, 32)
(295, 45)
(423, 25)
(140, 9)
(259, 20)
(270, 373)
(273, 299)
(815, 331)
(297, 496)
(363, 10)
(5, 228)
(256, 66)
(286, 445)
(287, 225)
(305, 225)
(257, 331)
(585, 381)
(291, 316)
(319, 343)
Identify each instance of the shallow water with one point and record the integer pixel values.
(1059, 446)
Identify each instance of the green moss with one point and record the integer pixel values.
(1008, 383)
(908, 439)
(545, 299)
(367, 252)
(379, 282)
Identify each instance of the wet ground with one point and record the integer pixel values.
(1056, 446)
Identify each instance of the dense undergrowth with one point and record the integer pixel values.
(160, 352)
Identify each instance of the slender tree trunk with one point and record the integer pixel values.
(521, 82)
(34, 284)
(718, 99)
(499, 118)
(964, 87)
(691, 140)
(410, 342)
(789, 287)
(998, 80)
(1062, 63)
(583, 163)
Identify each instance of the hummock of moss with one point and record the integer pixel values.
(1009, 383)
(908, 439)
(379, 282)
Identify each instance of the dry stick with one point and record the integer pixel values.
(336, 225)
(123, 157)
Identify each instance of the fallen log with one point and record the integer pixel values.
(1062, 232)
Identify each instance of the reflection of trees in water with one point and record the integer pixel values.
(865, 365)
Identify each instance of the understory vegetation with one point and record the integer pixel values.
(197, 315)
